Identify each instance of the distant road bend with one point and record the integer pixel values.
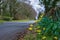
(8, 30)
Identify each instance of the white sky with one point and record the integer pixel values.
(35, 4)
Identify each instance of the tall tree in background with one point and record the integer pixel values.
(0, 7)
(50, 7)
(25, 11)
(3, 7)
(8, 7)
(12, 7)
(49, 4)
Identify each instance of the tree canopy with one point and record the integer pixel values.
(16, 10)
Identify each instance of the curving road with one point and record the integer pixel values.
(8, 30)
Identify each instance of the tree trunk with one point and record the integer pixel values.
(0, 7)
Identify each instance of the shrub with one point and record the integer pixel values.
(7, 18)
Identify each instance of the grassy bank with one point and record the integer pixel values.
(16, 21)
(20, 20)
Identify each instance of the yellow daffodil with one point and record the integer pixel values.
(38, 31)
(44, 37)
(44, 28)
(42, 15)
(31, 25)
(30, 28)
(55, 37)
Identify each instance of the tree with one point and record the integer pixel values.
(50, 7)
(0, 7)
(49, 4)
(26, 11)
(12, 8)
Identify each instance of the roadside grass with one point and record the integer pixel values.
(1, 21)
(10, 19)
(20, 20)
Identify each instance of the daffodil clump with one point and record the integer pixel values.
(30, 27)
(49, 27)
(46, 28)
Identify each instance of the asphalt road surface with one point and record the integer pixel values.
(8, 30)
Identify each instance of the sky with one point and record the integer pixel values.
(35, 4)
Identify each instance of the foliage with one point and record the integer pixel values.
(45, 29)
(7, 18)
(17, 10)
(49, 4)
(50, 25)
(25, 13)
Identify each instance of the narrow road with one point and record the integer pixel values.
(8, 30)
